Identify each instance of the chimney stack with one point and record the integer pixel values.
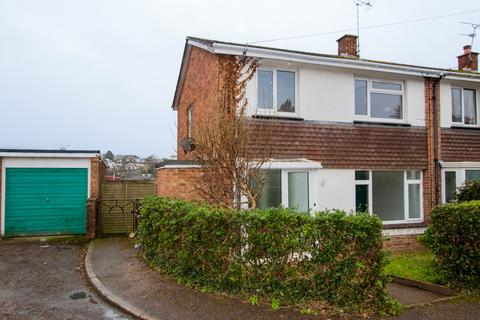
(347, 46)
(468, 61)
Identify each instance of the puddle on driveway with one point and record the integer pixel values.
(111, 315)
(78, 295)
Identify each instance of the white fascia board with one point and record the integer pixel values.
(464, 164)
(46, 155)
(220, 48)
(200, 45)
(294, 165)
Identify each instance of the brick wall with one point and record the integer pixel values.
(402, 243)
(430, 194)
(177, 183)
(97, 174)
(200, 90)
(1, 195)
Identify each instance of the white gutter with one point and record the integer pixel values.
(221, 48)
(47, 155)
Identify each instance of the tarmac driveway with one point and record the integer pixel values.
(46, 282)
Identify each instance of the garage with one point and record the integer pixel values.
(45, 192)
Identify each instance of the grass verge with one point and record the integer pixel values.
(413, 265)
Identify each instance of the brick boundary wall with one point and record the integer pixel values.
(97, 173)
(177, 183)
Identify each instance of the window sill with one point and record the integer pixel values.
(277, 117)
(404, 225)
(383, 123)
(460, 126)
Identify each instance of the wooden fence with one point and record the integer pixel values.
(117, 204)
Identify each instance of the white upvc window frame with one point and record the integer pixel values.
(460, 170)
(462, 123)
(406, 183)
(189, 120)
(371, 90)
(273, 111)
(285, 189)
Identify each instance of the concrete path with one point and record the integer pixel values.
(113, 264)
(46, 282)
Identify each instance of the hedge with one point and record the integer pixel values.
(275, 253)
(469, 191)
(454, 237)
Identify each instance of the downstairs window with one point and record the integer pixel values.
(395, 196)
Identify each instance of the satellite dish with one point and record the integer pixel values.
(187, 145)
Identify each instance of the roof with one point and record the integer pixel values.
(49, 153)
(232, 48)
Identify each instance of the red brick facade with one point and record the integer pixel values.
(432, 195)
(402, 243)
(177, 183)
(199, 91)
(98, 170)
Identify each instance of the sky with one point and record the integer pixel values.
(101, 74)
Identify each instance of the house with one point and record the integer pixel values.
(354, 134)
(45, 192)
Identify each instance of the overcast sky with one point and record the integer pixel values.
(101, 74)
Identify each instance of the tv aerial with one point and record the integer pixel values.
(361, 3)
(472, 35)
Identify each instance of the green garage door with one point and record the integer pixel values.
(45, 201)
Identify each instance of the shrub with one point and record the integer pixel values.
(469, 191)
(279, 254)
(454, 237)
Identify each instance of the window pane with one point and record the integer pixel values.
(388, 195)
(361, 175)
(388, 106)
(271, 195)
(298, 191)
(414, 201)
(470, 106)
(265, 89)
(456, 105)
(361, 97)
(361, 198)
(386, 85)
(286, 91)
(413, 175)
(472, 174)
(450, 185)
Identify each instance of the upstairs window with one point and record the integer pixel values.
(464, 106)
(276, 91)
(379, 99)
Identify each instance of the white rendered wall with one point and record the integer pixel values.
(336, 189)
(328, 94)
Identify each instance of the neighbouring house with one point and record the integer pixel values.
(352, 133)
(45, 192)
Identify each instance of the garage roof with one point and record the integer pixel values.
(49, 153)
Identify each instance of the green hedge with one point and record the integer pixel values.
(454, 237)
(276, 253)
(469, 191)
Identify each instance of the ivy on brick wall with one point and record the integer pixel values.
(276, 254)
(453, 235)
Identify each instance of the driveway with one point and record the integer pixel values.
(46, 282)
